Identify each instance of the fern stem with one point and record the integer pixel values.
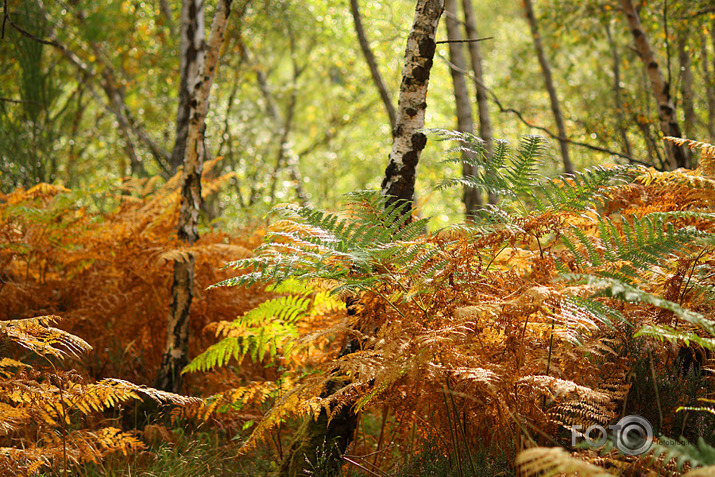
(690, 276)
(387, 300)
(455, 444)
(385, 414)
(657, 395)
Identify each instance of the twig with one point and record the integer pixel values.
(18, 101)
(495, 99)
(470, 40)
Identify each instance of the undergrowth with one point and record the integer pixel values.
(502, 332)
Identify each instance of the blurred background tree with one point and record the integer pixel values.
(91, 90)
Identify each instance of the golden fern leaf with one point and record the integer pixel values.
(7, 365)
(701, 472)
(38, 336)
(557, 388)
(121, 387)
(706, 167)
(112, 439)
(552, 461)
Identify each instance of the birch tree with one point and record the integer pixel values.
(175, 356)
(399, 181)
(193, 33)
(677, 156)
(471, 196)
(550, 87)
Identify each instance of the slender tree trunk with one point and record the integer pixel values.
(620, 113)
(192, 38)
(285, 156)
(549, 83)
(686, 86)
(177, 340)
(372, 63)
(471, 196)
(308, 443)
(709, 83)
(166, 13)
(399, 181)
(475, 55)
(677, 156)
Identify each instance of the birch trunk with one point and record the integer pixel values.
(372, 64)
(549, 83)
(475, 55)
(471, 196)
(193, 33)
(177, 339)
(399, 181)
(676, 155)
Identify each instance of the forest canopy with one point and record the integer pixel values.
(357, 237)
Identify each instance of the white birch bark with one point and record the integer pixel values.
(193, 34)
(676, 155)
(177, 340)
(399, 181)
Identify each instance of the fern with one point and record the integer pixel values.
(309, 244)
(700, 457)
(48, 402)
(633, 250)
(542, 461)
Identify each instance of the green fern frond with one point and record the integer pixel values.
(667, 333)
(265, 330)
(633, 251)
(582, 190)
(685, 453)
(613, 288)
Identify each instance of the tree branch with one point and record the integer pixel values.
(495, 99)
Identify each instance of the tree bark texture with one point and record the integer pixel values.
(677, 156)
(475, 55)
(471, 196)
(549, 83)
(408, 143)
(193, 33)
(372, 64)
(175, 356)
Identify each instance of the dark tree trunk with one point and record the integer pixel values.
(709, 82)
(686, 86)
(475, 55)
(372, 64)
(550, 88)
(620, 113)
(471, 196)
(399, 181)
